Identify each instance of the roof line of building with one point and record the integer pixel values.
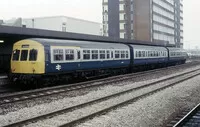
(38, 33)
(62, 16)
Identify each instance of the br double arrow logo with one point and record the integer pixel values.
(58, 67)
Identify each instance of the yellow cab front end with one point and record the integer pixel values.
(27, 60)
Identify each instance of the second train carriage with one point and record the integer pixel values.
(67, 55)
(149, 55)
(177, 56)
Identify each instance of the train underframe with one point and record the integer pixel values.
(43, 80)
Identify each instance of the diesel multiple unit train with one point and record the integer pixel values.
(38, 60)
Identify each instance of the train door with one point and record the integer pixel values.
(78, 58)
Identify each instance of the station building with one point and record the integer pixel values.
(58, 23)
(147, 20)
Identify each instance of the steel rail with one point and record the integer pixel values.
(188, 116)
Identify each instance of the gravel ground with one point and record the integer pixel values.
(59, 120)
(154, 111)
(29, 112)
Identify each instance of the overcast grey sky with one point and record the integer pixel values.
(92, 10)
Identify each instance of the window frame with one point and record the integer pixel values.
(70, 53)
(117, 50)
(94, 52)
(36, 55)
(88, 52)
(19, 53)
(63, 54)
(27, 55)
(76, 50)
(102, 52)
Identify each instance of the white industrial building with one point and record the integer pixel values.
(59, 23)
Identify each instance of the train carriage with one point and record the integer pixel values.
(149, 55)
(48, 57)
(177, 56)
(66, 56)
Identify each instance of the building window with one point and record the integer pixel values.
(121, 7)
(122, 34)
(125, 26)
(124, 16)
(121, 26)
(125, 35)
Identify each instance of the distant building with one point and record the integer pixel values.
(147, 20)
(59, 23)
(193, 53)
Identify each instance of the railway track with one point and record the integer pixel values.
(188, 118)
(38, 93)
(5, 85)
(102, 105)
(3, 80)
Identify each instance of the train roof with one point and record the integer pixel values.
(84, 44)
(171, 49)
(143, 47)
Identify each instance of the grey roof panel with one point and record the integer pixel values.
(83, 44)
(142, 47)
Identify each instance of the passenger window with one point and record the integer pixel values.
(58, 54)
(108, 54)
(102, 54)
(24, 55)
(140, 54)
(94, 54)
(136, 53)
(86, 54)
(33, 55)
(122, 54)
(78, 55)
(111, 54)
(143, 53)
(117, 54)
(69, 54)
(127, 54)
(149, 53)
(16, 55)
